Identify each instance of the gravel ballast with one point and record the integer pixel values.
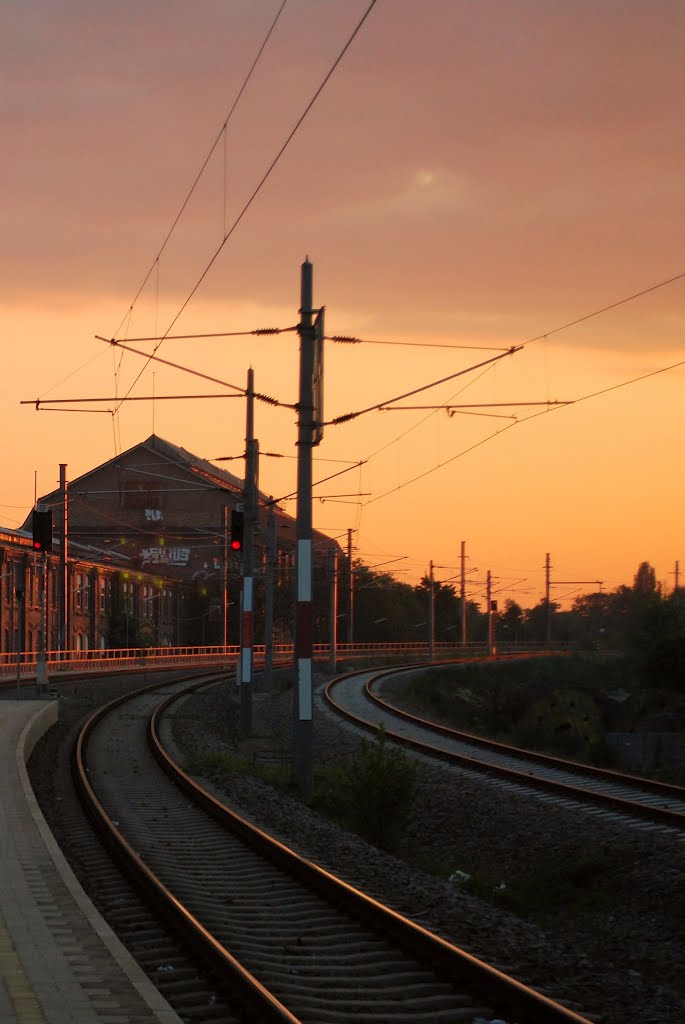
(621, 962)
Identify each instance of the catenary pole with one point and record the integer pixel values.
(431, 612)
(269, 597)
(489, 601)
(303, 746)
(463, 593)
(224, 582)
(247, 611)
(548, 602)
(63, 589)
(333, 608)
(350, 620)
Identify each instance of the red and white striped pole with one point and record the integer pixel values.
(303, 745)
(247, 592)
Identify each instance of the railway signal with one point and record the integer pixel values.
(41, 523)
(237, 529)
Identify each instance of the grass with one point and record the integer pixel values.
(219, 765)
(552, 887)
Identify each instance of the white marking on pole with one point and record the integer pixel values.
(304, 681)
(248, 590)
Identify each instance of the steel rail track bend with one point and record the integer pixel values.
(355, 947)
(256, 1002)
(632, 795)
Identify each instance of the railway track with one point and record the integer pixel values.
(278, 938)
(642, 802)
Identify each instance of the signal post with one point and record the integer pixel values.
(41, 525)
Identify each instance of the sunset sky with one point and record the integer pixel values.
(472, 174)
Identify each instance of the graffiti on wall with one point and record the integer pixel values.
(165, 556)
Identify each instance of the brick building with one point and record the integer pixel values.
(152, 523)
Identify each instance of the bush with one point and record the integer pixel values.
(370, 793)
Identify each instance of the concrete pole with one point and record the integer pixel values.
(463, 592)
(224, 583)
(333, 608)
(350, 621)
(41, 663)
(489, 600)
(269, 598)
(250, 515)
(303, 746)
(431, 613)
(548, 603)
(63, 589)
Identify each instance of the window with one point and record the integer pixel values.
(137, 493)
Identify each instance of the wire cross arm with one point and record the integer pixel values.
(257, 332)
(40, 404)
(346, 339)
(194, 373)
(425, 387)
(40, 407)
(474, 405)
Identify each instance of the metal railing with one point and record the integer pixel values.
(122, 658)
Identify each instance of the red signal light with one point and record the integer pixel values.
(41, 521)
(237, 528)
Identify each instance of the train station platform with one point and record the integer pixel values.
(60, 963)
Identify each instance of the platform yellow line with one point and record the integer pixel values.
(27, 1008)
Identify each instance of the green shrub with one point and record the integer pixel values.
(370, 793)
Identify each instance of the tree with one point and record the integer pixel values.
(511, 622)
(645, 584)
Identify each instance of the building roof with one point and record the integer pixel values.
(220, 478)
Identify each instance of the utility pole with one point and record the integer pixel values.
(676, 584)
(269, 598)
(463, 593)
(247, 616)
(350, 620)
(41, 663)
(489, 601)
(333, 608)
(431, 613)
(224, 583)
(63, 589)
(548, 602)
(19, 593)
(306, 438)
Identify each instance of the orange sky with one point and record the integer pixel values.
(472, 174)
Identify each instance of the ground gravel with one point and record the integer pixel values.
(617, 959)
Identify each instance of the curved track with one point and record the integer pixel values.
(356, 697)
(286, 940)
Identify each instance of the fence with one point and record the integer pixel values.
(24, 664)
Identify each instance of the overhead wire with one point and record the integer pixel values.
(261, 183)
(415, 391)
(195, 183)
(606, 309)
(525, 419)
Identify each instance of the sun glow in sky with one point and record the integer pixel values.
(472, 174)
